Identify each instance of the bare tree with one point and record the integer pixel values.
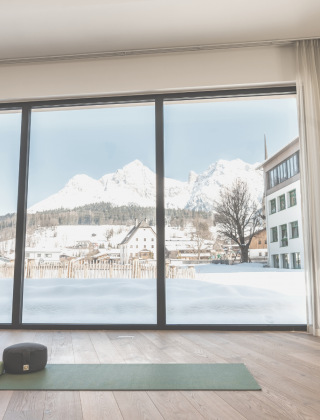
(238, 217)
(200, 235)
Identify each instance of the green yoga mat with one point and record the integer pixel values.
(134, 377)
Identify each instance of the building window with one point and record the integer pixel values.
(275, 261)
(292, 198)
(265, 242)
(285, 261)
(273, 206)
(38, 255)
(259, 242)
(131, 246)
(27, 254)
(266, 254)
(136, 239)
(274, 234)
(130, 254)
(285, 170)
(145, 246)
(260, 254)
(48, 255)
(296, 260)
(152, 239)
(294, 230)
(152, 246)
(284, 235)
(282, 202)
(145, 239)
(136, 246)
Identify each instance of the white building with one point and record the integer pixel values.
(283, 207)
(140, 242)
(42, 254)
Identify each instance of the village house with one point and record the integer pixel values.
(140, 242)
(258, 249)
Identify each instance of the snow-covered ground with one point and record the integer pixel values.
(220, 294)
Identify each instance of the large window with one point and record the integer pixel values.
(282, 202)
(274, 234)
(112, 212)
(273, 206)
(91, 198)
(284, 235)
(284, 171)
(275, 261)
(296, 260)
(10, 126)
(285, 261)
(294, 230)
(214, 273)
(292, 198)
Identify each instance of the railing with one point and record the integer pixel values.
(94, 270)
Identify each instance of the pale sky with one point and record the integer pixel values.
(100, 141)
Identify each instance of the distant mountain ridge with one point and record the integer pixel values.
(135, 184)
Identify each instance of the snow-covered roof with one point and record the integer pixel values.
(132, 232)
(43, 250)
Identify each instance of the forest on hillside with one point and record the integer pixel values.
(99, 214)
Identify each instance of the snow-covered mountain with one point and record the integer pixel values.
(136, 184)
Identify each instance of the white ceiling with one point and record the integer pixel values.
(31, 28)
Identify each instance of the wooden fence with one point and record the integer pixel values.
(96, 270)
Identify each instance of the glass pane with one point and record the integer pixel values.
(216, 276)
(285, 261)
(10, 128)
(91, 236)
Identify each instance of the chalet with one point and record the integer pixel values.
(140, 242)
(258, 249)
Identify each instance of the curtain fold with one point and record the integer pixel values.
(308, 101)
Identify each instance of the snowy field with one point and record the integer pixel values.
(221, 294)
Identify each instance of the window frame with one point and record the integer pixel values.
(295, 197)
(291, 229)
(158, 99)
(282, 196)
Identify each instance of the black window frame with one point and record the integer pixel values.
(158, 100)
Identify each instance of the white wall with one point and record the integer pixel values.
(148, 73)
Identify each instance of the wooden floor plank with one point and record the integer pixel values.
(310, 357)
(211, 406)
(99, 406)
(62, 349)
(26, 405)
(83, 349)
(5, 397)
(106, 351)
(174, 406)
(176, 353)
(250, 407)
(150, 350)
(137, 406)
(62, 405)
(126, 348)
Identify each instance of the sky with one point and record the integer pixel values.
(98, 141)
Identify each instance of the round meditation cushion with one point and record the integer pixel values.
(25, 358)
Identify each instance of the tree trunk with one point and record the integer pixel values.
(245, 253)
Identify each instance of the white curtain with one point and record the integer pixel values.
(308, 99)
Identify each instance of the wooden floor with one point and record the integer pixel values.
(286, 365)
